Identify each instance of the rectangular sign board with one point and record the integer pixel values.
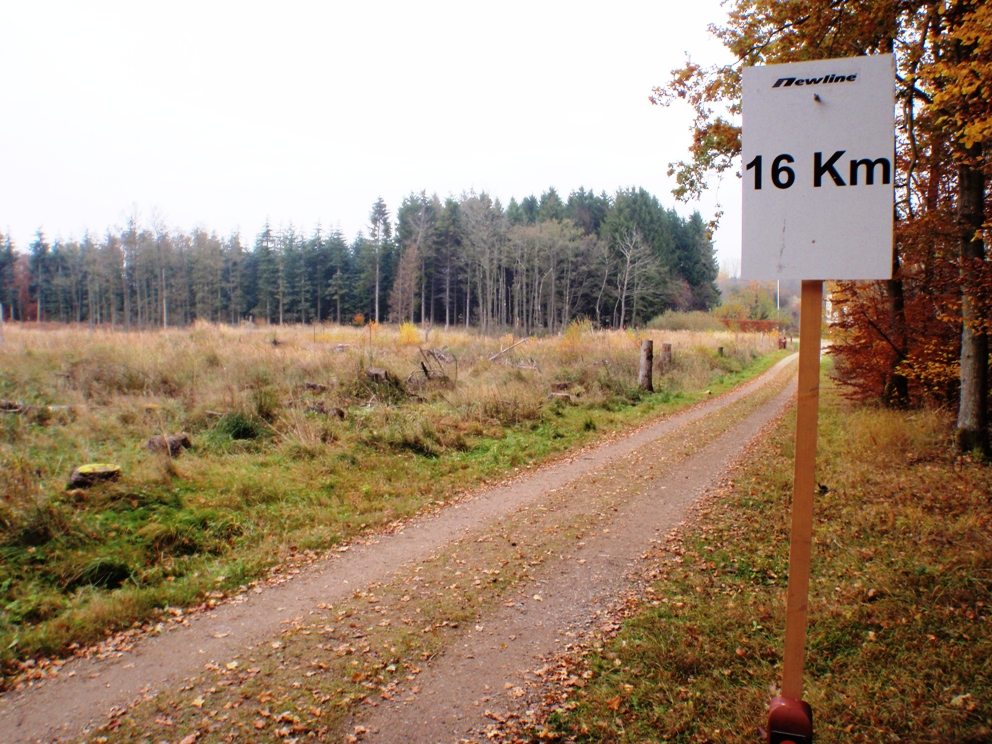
(818, 169)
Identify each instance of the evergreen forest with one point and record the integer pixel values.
(534, 265)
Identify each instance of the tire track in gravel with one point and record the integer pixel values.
(485, 676)
(87, 690)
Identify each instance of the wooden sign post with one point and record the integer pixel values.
(790, 719)
(817, 145)
(804, 486)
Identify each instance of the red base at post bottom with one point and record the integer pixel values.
(789, 722)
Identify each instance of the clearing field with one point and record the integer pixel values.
(299, 438)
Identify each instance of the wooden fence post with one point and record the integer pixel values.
(666, 355)
(644, 380)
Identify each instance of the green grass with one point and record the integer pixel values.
(899, 640)
(265, 478)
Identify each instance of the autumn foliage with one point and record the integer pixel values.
(923, 346)
(923, 336)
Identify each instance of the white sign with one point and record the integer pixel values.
(818, 169)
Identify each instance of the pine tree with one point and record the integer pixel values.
(40, 255)
(380, 232)
(265, 267)
(8, 259)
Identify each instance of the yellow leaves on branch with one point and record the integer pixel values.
(961, 77)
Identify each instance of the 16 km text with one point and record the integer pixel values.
(783, 175)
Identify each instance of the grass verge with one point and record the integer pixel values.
(899, 640)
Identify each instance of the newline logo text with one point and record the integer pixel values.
(790, 81)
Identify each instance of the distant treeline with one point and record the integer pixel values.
(535, 265)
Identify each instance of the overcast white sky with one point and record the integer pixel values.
(223, 114)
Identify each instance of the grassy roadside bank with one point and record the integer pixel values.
(900, 637)
(273, 472)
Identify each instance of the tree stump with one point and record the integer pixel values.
(173, 443)
(90, 474)
(378, 374)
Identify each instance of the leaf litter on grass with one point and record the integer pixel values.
(899, 636)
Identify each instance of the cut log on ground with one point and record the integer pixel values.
(92, 473)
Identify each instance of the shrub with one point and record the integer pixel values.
(675, 320)
(409, 335)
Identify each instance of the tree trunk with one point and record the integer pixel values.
(423, 295)
(377, 284)
(973, 431)
(896, 392)
(644, 380)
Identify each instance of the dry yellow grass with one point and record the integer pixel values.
(279, 418)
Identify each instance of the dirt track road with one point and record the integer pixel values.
(636, 480)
